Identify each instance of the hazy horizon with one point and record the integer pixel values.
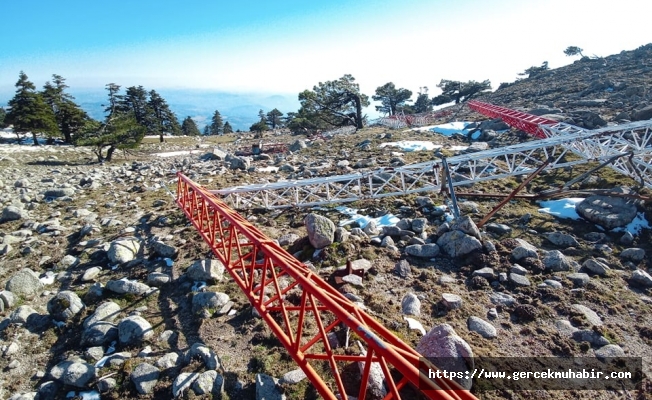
(285, 47)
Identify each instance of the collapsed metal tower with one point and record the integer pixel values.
(632, 141)
(306, 313)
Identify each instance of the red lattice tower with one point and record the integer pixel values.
(528, 123)
(301, 309)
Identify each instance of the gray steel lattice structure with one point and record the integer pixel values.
(632, 141)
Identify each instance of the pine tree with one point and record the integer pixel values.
(29, 112)
(216, 125)
(189, 127)
(120, 129)
(161, 120)
(135, 100)
(227, 128)
(69, 116)
(3, 114)
(274, 118)
(391, 98)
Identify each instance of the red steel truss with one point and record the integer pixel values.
(302, 310)
(526, 122)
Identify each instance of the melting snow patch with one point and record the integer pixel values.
(168, 262)
(48, 278)
(451, 128)
(563, 208)
(178, 153)
(412, 145)
(638, 223)
(199, 285)
(267, 169)
(363, 220)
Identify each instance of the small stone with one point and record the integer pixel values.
(77, 374)
(90, 274)
(502, 299)
(484, 328)
(609, 351)
(486, 272)
(587, 335)
(492, 313)
(641, 278)
(293, 377)
(518, 279)
(145, 377)
(579, 279)
(553, 284)
(589, 314)
(564, 327)
(451, 301)
(402, 269)
(183, 382)
(411, 305)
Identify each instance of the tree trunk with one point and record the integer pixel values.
(160, 138)
(35, 139)
(109, 153)
(358, 112)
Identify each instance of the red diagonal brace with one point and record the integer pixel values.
(268, 275)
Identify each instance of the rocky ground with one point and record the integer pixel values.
(108, 289)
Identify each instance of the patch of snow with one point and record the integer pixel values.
(412, 145)
(636, 226)
(178, 153)
(168, 262)
(363, 220)
(562, 208)
(267, 169)
(199, 285)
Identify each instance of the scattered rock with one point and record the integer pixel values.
(206, 270)
(78, 374)
(411, 305)
(133, 330)
(484, 328)
(447, 351)
(321, 230)
(145, 377)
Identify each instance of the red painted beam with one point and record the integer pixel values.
(301, 308)
(520, 120)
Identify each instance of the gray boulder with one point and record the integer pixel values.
(411, 305)
(267, 389)
(633, 254)
(24, 283)
(206, 270)
(183, 382)
(65, 305)
(209, 300)
(429, 250)
(641, 278)
(12, 213)
(124, 286)
(133, 330)
(209, 382)
(145, 376)
(124, 250)
(107, 311)
(321, 230)
(457, 243)
(608, 212)
(99, 333)
(484, 328)
(556, 261)
(448, 351)
(562, 239)
(78, 374)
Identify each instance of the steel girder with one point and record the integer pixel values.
(303, 311)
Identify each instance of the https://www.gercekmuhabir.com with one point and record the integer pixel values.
(547, 373)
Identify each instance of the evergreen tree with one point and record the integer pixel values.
(135, 100)
(333, 103)
(422, 104)
(574, 51)
(216, 126)
(259, 126)
(227, 128)
(69, 116)
(459, 91)
(274, 118)
(161, 119)
(391, 98)
(29, 112)
(3, 114)
(114, 98)
(120, 129)
(189, 127)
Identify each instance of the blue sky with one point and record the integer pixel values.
(287, 46)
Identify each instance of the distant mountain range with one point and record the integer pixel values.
(240, 109)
